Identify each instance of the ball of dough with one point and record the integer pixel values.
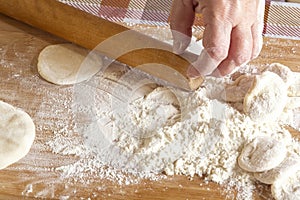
(288, 167)
(282, 71)
(294, 87)
(287, 188)
(267, 98)
(292, 79)
(262, 154)
(65, 64)
(236, 92)
(17, 132)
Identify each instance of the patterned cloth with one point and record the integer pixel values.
(281, 19)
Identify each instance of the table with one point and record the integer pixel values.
(35, 175)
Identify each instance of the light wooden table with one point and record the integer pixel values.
(21, 86)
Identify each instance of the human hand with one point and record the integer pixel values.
(232, 36)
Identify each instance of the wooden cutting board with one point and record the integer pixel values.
(34, 175)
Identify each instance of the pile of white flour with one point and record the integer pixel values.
(146, 131)
(130, 125)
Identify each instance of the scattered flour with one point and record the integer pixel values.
(193, 134)
(129, 131)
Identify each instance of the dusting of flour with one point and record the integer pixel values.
(133, 129)
(147, 130)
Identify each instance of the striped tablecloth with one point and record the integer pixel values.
(281, 19)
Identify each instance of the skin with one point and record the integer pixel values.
(232, 36)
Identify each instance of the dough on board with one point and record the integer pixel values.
(237, 91)
(291, 79)
(287, 188)
(262, 154)
(17, 132)
(65, 64)
(282, 71)
(294, 87)
(288, 167)
(266, 98)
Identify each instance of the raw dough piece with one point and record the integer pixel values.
(267, 97)
(142, 91)
(64, 64)
(288, 167)
(17, 132)
(237, 91)
(294, 87)
(282, 71)
(262, 154)
(163, 95)
(292, 79)
(287, 188)
(160, 107)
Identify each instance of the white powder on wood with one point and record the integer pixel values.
(194, 134)
(125, 137)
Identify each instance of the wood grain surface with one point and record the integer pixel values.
(34, 175)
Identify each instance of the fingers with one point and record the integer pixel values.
(232, 36)
(181, 21)
(216, 41)
(240, 51)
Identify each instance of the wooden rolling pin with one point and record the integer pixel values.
(111, 39)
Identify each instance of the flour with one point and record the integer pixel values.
(193, 134)
(129, 129)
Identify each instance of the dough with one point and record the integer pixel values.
(237, 91)
(262, 154)
(267, 97)
(291, 79)
(282, 71)
(288, 167)
(64, 64)
(294, 87)
(17, 132)
(287, 188)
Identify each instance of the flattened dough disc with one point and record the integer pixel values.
(65, 64)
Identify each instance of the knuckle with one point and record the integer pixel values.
(217, 53)
(242, 58)
(242, 52)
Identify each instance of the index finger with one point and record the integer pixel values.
(181, 21)
(182, 16)
(216, 42)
